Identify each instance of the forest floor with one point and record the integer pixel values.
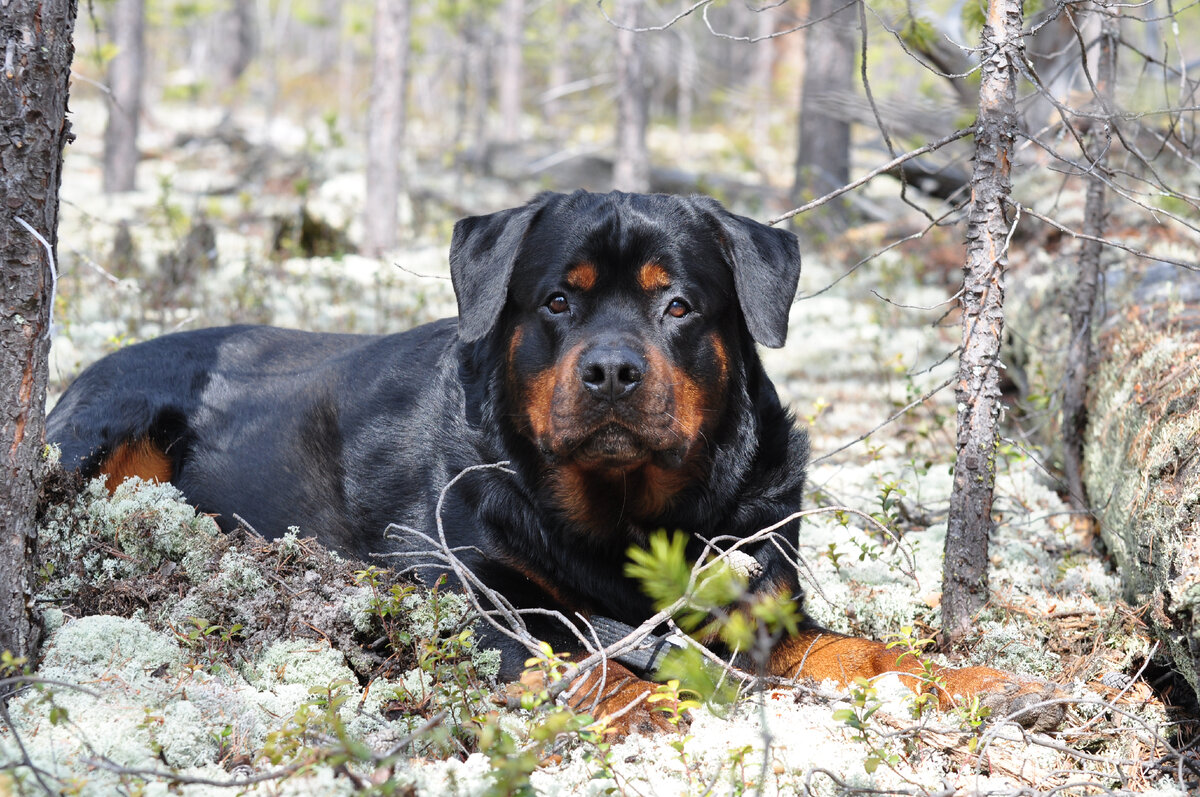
(184, 661)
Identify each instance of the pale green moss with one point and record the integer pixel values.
(91, 647)
(146, 523)
(183, 736)
(360, 606)
(304, 662)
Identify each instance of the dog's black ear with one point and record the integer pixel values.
(766, 269)
(483, 252)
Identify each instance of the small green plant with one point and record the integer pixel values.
(833, 554)
(864, 702)
(212, 643)
(11, 665)
(971, 716)
(669, 699)
(819, 406)
(711, 600)
(912, 650)
(890, 493)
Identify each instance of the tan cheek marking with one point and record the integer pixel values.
(652, 277)
(514, 343)
(539, 398)
(722, 358)
(546, 390)
(582, 277)
(689, 400)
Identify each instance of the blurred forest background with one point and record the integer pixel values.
(209, 129)
(302, 162)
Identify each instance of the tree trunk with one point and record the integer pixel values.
(964, 579)
(125, 74)
(761, 80)
(823, 151)
(685, 99)
(1081, 354)
(558, 72)
(385, 122)
(237, 42)
(511, 78)
(36, 37)
(631, 169)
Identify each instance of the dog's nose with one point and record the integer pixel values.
(611, 372)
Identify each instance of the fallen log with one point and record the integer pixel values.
(1141, 463)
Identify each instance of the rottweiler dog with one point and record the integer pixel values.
(604, 349)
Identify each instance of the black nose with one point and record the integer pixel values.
(610, 372)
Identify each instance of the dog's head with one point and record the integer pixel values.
(623, 319)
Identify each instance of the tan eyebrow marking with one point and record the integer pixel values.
(652, 277)
(582, 277)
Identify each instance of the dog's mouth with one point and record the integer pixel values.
(611, 446)
(615, 447)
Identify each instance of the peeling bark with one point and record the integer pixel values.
(33, 104)
(965, 583)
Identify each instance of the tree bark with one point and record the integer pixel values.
(36, 40)
(511, 78)
(964, 576)
(385, 123)
(125, 75)
(631, 169)
(823, 148)
(1081, 354)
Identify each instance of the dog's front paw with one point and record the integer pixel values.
(1034, 704)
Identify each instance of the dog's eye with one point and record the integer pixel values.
(678, 308)
(557, 304)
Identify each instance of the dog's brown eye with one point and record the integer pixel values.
(678, 308)
(558, 304)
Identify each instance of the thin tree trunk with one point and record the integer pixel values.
(327, 42)
(385, 123)
(760, 84)
(964, 580)
(511, 79)
(236, 44)
(685, 101)
(36, 41)
(125, 74)
(1081, 354)
(557, 74)
(823, 149)
(631, 170)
